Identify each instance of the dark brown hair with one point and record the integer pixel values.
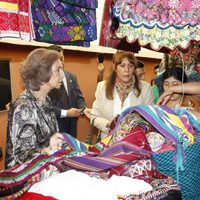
(37, 68)
(110, 80)
(56, 48)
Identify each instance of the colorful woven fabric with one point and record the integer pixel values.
(15, 19)
(160, 13)
(76, 156)
(59, 22)
(85, 4)
(161, 118)
(104, 161)
(35, 196)
(133, 24)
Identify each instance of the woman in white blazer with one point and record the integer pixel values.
(120, 90)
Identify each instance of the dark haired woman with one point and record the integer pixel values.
(179, 93)
(120, 90)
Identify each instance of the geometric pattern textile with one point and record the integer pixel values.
(82, 3)
(59, 22)
(15, 19)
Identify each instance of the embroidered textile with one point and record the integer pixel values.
(109, 25)
(158, 38)
(191, 102)
(152, 29)
(59, 22)
(130, 121)
(160, 13)
(188, 59)
(15, 19)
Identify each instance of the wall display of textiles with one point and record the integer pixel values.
(64, 21)
(157, 24)
(15, 19)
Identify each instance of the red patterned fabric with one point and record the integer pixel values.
(15, 19)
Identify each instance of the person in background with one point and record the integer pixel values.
(101, 69)
(155, 91)
(179, 93)
(118, 91)
(156, 69)
(33, 129)
(139, 70)
(68, 101)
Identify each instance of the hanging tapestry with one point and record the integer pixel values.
(169, 24)
(14, 19)
(82, 3)
(190, 59)
(160, 13)
(109, 25)
(158, 38)
(62, 23)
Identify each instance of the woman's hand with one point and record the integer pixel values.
(74, 112)
(165, 97)
(112, 124)
(56, 142)
(87, 112)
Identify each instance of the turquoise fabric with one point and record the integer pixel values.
(189, 180)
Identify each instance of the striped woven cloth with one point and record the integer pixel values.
(76, 155)
(101, 159)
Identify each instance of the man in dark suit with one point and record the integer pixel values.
(68, 101)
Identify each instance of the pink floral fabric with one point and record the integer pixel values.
(161, 13)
